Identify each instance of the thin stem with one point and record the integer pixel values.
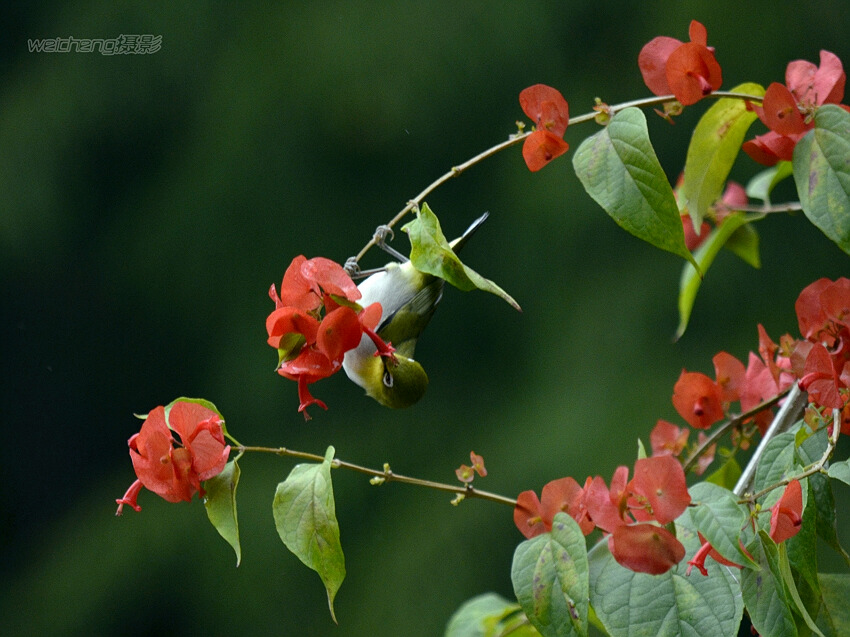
(515, 139)
(385, 475)
(728, 426)
(815, 467)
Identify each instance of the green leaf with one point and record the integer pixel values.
(691, 279)
(826, 519)
(822, 174)
(836, 591)
(220, 503)
(788, 580)
(550, 578)
(727, 475)
(715, 144)
(430, 252)
(802, 548)
(744, 243)
(618, 168)
(760, 186)
(200, 401)
(765, 596)
(636, 604)
(489, 615)
(840, 470)
(778, 462)
(720, 519)
(305, 518)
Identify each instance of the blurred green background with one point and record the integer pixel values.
(148, 202)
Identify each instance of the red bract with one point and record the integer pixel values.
(729, 375)
(171, 469)
(645, 548)
(667, 439)
(315, 321)
(528, 515)
(823, 311)
(564, 495)
(549, 111)
(788, 110)
(687, 70)
(697, 399)
(787, 514)
(660, 481)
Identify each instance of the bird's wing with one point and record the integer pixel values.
(404, 326)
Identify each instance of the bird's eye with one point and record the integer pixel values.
(388, 379)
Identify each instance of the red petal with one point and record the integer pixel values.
(290, 320)
(541, 147)
(527, 515)
(339, 332)
(564, 495)
(697, 33)
(810, 313)
(661, 480)
(646, 548)
(331, 277)
(296, 290)
(652, 61)
(697, 399)
(692, 73)
(786, 517)
(729, 376)
(546, 107)
(667, 439)
(780, 112)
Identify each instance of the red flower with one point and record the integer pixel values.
(550, 113)
(174, 470)
(729, 375)
(788, 110)
(697, 399)
(645, 548)
(311, 345)
(534, 517)
(687, 70)
(706, 550)
(787, 514)
(667, 439)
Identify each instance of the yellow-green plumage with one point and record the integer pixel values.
(408, 299)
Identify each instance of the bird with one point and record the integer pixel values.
(408, 300)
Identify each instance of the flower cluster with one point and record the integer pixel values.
(175, 469)
(550, 113)
(702, 401)
(688, 70)
(822, 360)
(629, 512)
(315, 321)
(465, 473)
(788, 109)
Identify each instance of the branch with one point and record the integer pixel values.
(386, 475)
(728, 426)
(351, 264)
(788, 414)
(815, 467)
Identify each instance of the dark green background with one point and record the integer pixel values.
(148, 202)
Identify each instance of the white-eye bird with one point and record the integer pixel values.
(408, 300)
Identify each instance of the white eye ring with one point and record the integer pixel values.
(388, 380)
